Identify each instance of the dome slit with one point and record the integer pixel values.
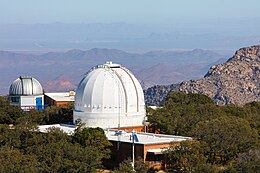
(124, 89)
(137, 95)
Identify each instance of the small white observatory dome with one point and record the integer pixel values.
(25, 85)
(109, 96)
(27, 93)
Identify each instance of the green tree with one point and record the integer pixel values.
(94, 138)
(9, 136)
(58, 114)
(13, 161)
(253, 114)
(188, 157)
(226, 137)
(248, 162)
(8, 113)
(181, 112)
(127, 167)
(186, 99)
(235, 110)
(57, 152)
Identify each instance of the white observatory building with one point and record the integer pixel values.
(27, 93)
(109, 96)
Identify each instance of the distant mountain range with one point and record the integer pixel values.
(62, 71)
(214, 34)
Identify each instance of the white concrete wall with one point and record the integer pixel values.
(29, 102)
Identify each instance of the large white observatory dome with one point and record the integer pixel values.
(109, 96)
(25, 85)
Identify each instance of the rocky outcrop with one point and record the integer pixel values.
(156, 95)
(237, 81)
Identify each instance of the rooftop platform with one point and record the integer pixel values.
(124, 136)
(62, 96)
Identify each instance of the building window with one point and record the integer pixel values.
(15, 99)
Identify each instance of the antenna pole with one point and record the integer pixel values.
(133, 150)
(118, 130)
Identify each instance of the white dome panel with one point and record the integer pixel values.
(109, 95)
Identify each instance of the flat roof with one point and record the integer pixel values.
(125, 136)
(144, 138)
(64, 127)
(61, 96)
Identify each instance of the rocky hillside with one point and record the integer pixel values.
(237, 81)
(157, 94)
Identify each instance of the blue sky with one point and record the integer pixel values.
(129, 11)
